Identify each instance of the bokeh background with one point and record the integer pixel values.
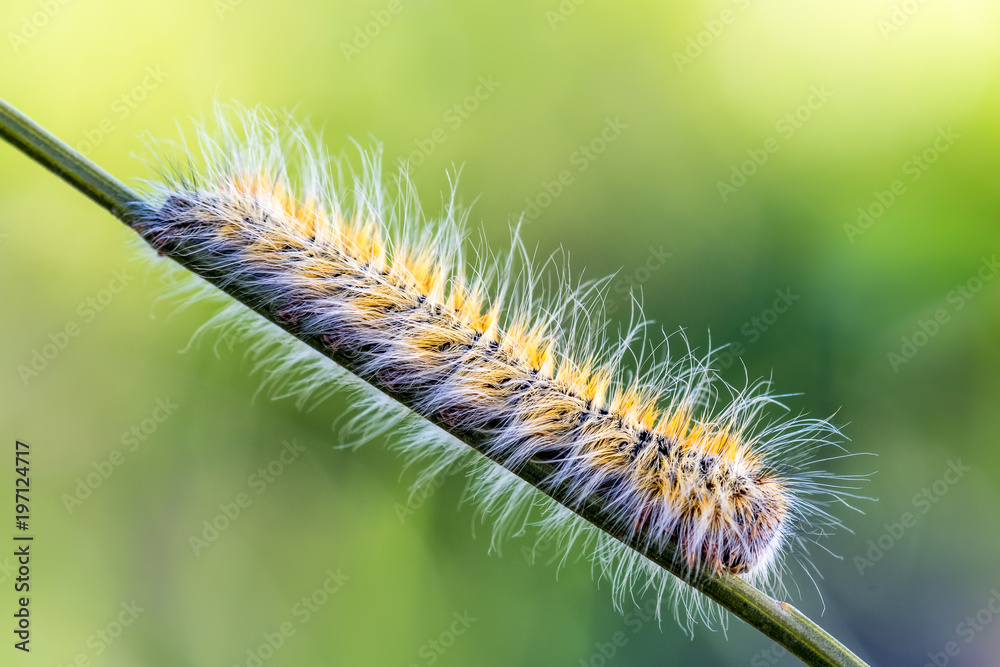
(889, 107)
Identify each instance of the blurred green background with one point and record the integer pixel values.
(740, 138)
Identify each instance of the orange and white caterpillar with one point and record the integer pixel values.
(532, 377)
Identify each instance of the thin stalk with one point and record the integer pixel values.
(778, 620)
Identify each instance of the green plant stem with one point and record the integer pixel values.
(778, 620)
(59, 158)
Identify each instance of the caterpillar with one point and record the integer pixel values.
(513, 355)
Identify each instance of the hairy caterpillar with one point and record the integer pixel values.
(531, 375)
